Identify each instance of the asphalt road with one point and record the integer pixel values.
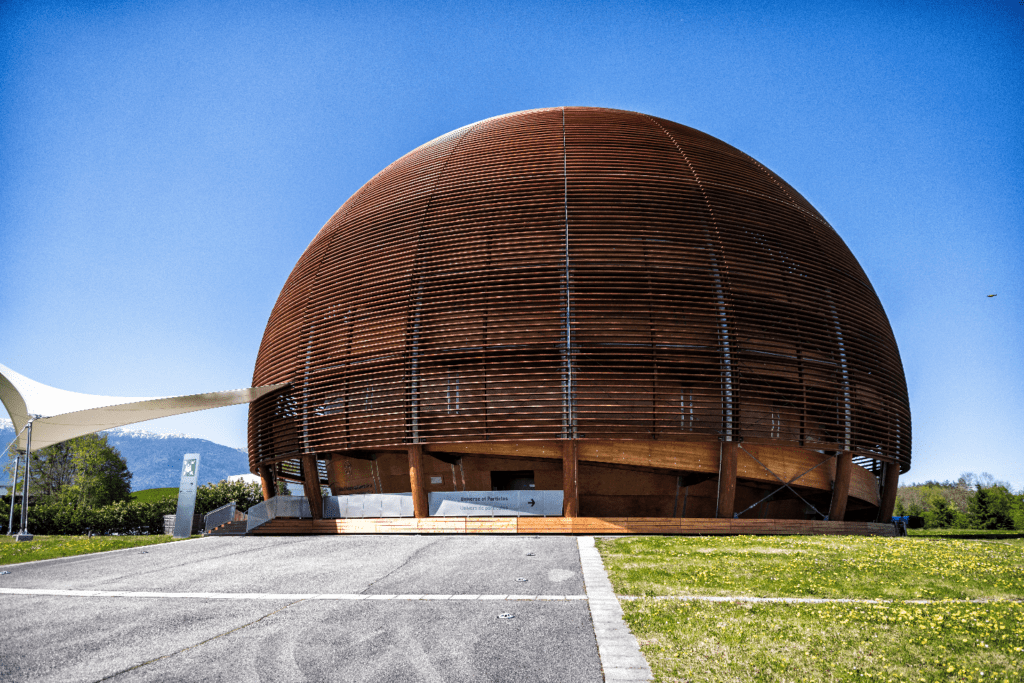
(283, 628)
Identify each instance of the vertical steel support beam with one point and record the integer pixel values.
(23, 534)
(14, 490)
(570, 384)
(267, 481)
(570, 479)
(417, 482)
(311, 484)
(890, 482)
(727, 480)
(841, 487)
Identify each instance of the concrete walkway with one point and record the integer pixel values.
(353, 608)
(620, 654)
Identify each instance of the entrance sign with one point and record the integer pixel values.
(186, 496)
(522, 503)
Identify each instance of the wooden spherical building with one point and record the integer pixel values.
(588, 300)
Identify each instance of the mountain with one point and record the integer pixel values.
(155, 459)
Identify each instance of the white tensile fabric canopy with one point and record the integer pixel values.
(58, 415)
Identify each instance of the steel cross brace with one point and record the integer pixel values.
(785, 484)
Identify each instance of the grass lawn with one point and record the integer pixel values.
(945, 641)
(46, 547)
(153, 495)
(816, 566)
(949, 640)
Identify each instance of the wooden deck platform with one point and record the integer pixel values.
(576, 525)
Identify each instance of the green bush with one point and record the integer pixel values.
(59, 516)
(123, 517)
(209, 497)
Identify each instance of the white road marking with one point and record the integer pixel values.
(814, 601)
(60, 592)
(71, 593)
(616, 645)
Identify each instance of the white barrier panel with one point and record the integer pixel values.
(296, 507)
(370, 505)
(258, 514)
(278, 506)
(496, 503)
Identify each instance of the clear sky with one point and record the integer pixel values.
(163, 165)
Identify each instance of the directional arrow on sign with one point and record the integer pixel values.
(531, 502)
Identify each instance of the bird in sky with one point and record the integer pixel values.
(991, 295)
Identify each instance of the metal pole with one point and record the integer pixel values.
(24, 535)
(14, 489)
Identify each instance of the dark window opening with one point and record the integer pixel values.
(518, 480)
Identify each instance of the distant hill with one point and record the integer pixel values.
(155, 459)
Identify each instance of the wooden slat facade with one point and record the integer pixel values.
(603, 278)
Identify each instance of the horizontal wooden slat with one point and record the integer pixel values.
(576, 525)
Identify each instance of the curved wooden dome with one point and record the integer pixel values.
(578, 273)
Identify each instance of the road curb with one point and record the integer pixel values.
(616, 645)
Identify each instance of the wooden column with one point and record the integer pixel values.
(841, 486)
(267, 481)
(570, 479)
(311, 485)
(417, 481)
(890, 482)
(727, 480)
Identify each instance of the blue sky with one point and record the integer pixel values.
(163, 166)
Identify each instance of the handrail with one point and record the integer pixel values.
(222, 515)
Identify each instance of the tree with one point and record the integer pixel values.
(101, 475)
(956, 493)
(12, 459)
(991, 508)
(1018, 512)
(53, 468)
(940, 514)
